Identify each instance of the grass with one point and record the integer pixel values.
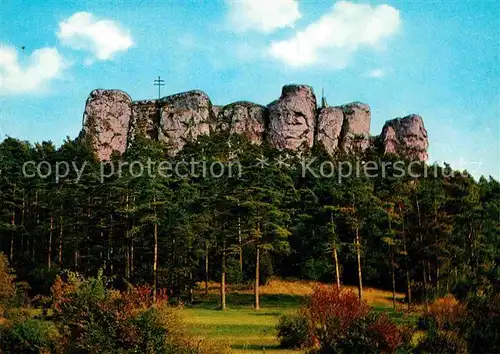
(248, 331)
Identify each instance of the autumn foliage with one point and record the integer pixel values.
(338, 322)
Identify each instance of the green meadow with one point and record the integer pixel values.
(248, 331)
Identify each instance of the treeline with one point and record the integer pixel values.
(424, 236)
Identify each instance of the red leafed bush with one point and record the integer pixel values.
(142, 296)
(387, 333)
(340, 323)
(446, 312)
(329, 302)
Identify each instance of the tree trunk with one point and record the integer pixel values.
(23, 211)
(393, 271)
(89, 216)
(37, 221)
(424, 275)
(191, 291)
(223, 280)
(206, 268)
(337, 269)
(239, 242)
(155, 261)
(407, 270)
(60, 239)
(358, 256)
(127, 243)
(110, 246)
(257, 278)
(335, 256)
(13, 224)
(132, 258)
(49, 252)
(127, 262)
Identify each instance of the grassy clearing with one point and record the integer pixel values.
(250, 331)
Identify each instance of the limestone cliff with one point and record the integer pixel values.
(406, 136)
(106, 121)
(293, 118)
(112, 120)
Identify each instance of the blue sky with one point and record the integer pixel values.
(437, 59)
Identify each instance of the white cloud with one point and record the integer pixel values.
(337, 34)
(35, 72)
(103, 38)
(376, 73)
(262, 16)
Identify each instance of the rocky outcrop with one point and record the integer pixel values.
(406, 136)
(330, 121)
(245, 118)
(112, 121)
(292, 118)
(145, 119)
(106, 121)
(183, 118)
(355, 127)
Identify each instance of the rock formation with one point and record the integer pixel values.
(245, 118)
(106, 121)
(330, 121)
(292, 118)
(346, 127)
(356, 126)
(406, 136)
(112, 120)
(183, 118)
(145, 119)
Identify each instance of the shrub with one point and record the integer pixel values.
(7, 287)
(475, 323)
(372, 333)
(340, 323)
(481, 326)
(293, 331)
(31, 337)
(442, 342)
(444, 313)
(99, 320)
(328, 302)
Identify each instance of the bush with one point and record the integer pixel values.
(372, 333)
(442, 342)
(99, 320)
(293, 331)
(340, 323)
(443, 314)
(7, 287)
(31, 337)
(474, 324)
(481, 326)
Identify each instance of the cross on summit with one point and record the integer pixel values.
(159, 82)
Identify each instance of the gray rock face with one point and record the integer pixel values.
(216, 109)
(406, 136)
(330, 120)
(106, 121)
(112, 120)
(245, 118)
(184, 117)
(293, 118)
(145, 119)
(356, 126)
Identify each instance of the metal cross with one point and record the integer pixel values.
(159, 82)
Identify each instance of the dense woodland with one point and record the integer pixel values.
(425, 237)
